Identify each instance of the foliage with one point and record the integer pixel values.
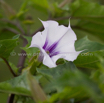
(80, 81)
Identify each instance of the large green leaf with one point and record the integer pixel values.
(7, 46)
(76, 85)
(84, 9)
(98, 74)
(5, 34)
(88, 58)
(18, 85)
(49, 75)
(90, 17)
(70, 83)
(88, 46)
(53, 73)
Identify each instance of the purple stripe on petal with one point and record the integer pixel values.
(52, 47)
(45, 45)
(53, 54)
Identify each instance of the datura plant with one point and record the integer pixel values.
(55, 41)
(59, 57)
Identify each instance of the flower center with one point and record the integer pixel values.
(50, 50)
(47, 51)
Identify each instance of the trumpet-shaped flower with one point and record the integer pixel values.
(55, 41)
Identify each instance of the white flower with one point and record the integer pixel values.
(56, 41)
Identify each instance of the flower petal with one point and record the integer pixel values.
(55, 33)
(56, 57)
(69, 24)
(66, 43)
(47, 60)
(65, 48)
(49, 23)
(38, 40)
(44, 34)
(67, 37)
(71, 56)
(66, 51)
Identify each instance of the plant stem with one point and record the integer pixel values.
(17, 24)
(11, 98)
(64, 3)
(9, 67)
(22, 57)
(11, 30)
(19, 27)
(40, 29)
(14, 31)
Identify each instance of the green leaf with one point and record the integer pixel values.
(90, 17)
(98, 74)
(23, 9)
(67, 82)
(52, 73)
(37, 92)
(7, 46)
(88, 46)
(49, 75)
(5, 30)
(18, 85)
(15, 69)
(6, 34)
(82, 8)
(75, 84)
(88, 58)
